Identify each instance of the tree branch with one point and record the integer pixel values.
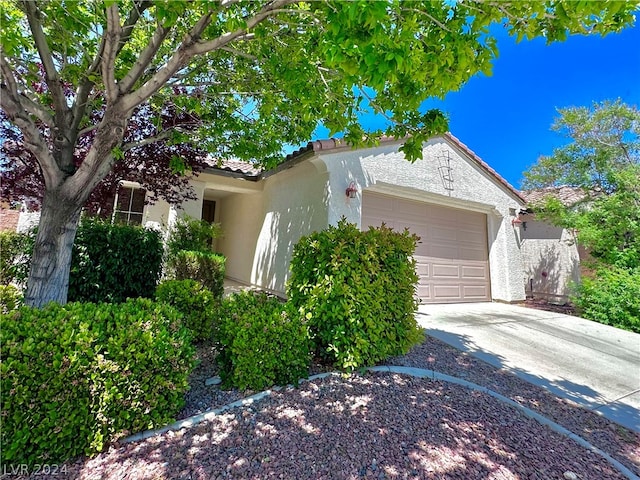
(164, 135)
(84, 89)
(52, 78)
(12, 103)
(144, 59)
(34, 108)
(112, 42)
(190, 47)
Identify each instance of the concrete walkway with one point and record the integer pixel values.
(595, 365)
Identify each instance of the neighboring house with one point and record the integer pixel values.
(459, 206)
(551, 256)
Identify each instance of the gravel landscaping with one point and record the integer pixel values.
(378, 425)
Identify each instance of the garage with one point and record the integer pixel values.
(452, 255)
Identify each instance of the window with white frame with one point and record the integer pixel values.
(129, 205)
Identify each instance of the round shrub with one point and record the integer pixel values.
(357, 290)
(205, 267)
(78, 376)
(195, 302)
(260, 343)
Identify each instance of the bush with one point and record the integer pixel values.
(10, 298)
(111, 263)
(193, 301)
(357, 289)
(612, 297)
(260, 343)
(77, 376)
(192, 234)
(15, 257)
(205, 267)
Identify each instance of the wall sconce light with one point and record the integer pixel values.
(352, 190)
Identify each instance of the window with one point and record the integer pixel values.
(129, 205)
(209, 210)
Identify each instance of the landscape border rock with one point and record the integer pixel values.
(411, 371)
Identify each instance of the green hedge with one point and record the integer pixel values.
(612, 297)
(10, 298)
(260, 344)
(78, 376)
(15, 256)
(196, 303)
(357, 290)
(193, 235)
(111, 263)
(206, 268)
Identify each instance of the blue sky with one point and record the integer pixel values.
(506, 118)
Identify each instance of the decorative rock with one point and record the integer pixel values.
(570, 475)
(213, 381)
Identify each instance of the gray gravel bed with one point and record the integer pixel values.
(381, 426)
(375, 426)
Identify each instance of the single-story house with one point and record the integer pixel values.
(464, 212)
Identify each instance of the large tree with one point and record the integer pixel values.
(158, 166)
(601, 162)
(258, 73)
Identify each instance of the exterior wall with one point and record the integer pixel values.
(551, 260)
(385, 170)
(295, 204)
(241, 216)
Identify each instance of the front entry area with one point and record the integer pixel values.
(452, 255)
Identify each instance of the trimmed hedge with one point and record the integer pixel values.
(260, 343)
(111, 263)
(612, 297)
(15, 256)
(195, 302)
(78, 376)
(357, 290)
(205, 267)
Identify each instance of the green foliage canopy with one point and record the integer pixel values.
(602, 162)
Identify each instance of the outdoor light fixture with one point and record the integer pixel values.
(352, 190)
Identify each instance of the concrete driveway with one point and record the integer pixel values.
(594, 365)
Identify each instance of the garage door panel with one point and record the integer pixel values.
(477, 292)
(472, 254)
(445, 271)
(470, 272)
(449, 251)
(452, 254)
(447, 292)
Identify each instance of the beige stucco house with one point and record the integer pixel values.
(462, 209)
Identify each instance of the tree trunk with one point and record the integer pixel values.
(51, 261)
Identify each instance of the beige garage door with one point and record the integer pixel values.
(452, 256)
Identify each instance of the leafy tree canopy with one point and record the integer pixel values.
(257, 74)
(602, 162)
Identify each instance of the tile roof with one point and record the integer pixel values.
(566, 194)
(235, 166)
(248, 169)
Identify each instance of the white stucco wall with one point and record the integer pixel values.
(551, 260)
(295, 204)
(241, 217)
(384, 169)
